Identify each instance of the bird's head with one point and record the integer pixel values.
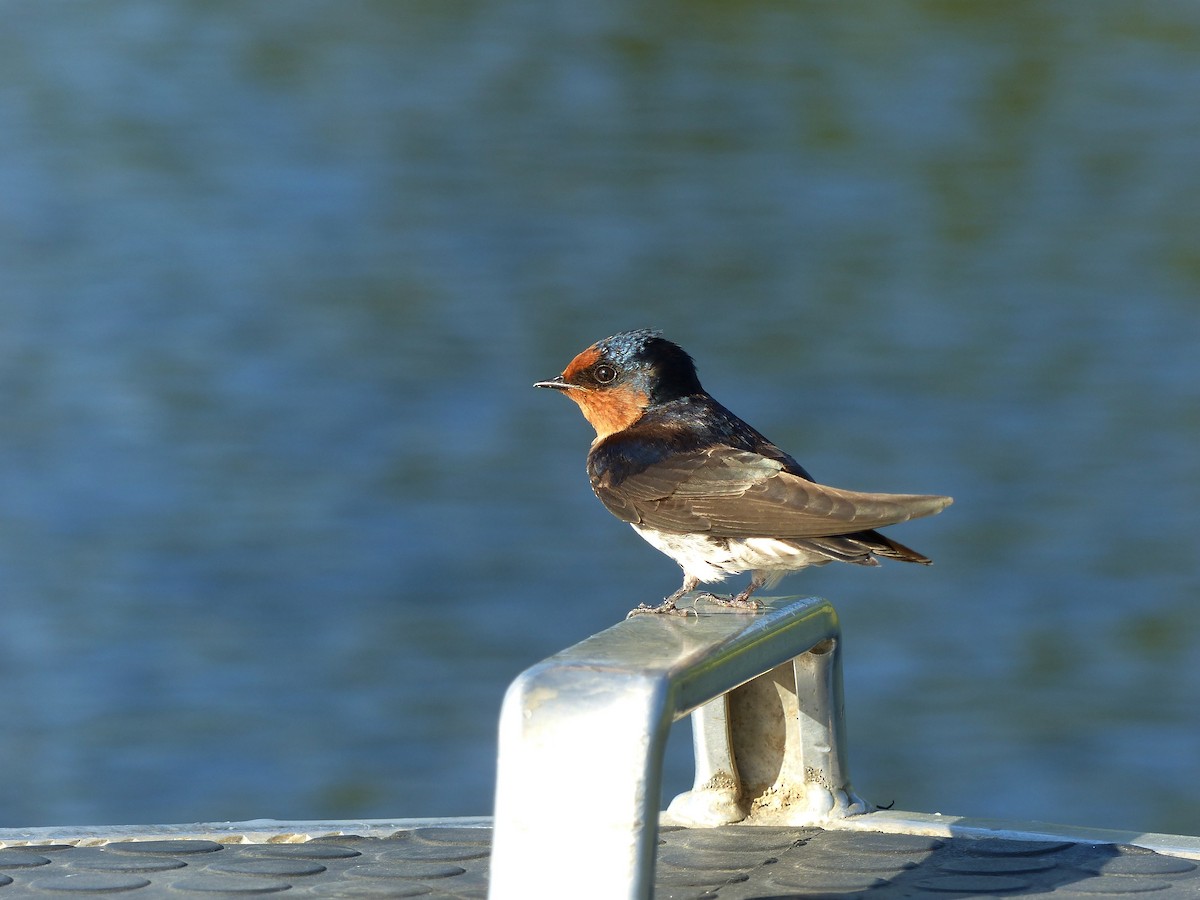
(617, 379)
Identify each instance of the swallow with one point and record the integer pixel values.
(706, 489)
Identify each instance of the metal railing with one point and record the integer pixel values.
(582, 736)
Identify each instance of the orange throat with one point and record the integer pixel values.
(609, 411)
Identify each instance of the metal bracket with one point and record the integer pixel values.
(582, 736)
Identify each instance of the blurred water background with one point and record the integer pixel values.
(281, 515)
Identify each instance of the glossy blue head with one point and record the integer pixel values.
(616, 379)
(659, 368)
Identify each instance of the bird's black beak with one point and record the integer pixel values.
(557, 383)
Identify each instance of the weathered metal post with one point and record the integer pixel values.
(582, 736)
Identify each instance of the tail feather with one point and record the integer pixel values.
(882, 545)
(861, 548)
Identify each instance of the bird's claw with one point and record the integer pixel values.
(666, 608)
(736, 601)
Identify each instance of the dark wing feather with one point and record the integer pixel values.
(735, 493)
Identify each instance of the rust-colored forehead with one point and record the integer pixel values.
(584, 360)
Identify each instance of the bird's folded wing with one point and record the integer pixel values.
(733, 493)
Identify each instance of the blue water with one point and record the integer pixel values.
(281, 516)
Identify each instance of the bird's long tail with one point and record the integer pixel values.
(861, 548)
(882, 545)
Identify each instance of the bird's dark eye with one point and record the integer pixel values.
(604, 374)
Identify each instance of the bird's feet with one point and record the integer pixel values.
(736, 601)
(666, 608)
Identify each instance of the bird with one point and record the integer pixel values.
(707, 489)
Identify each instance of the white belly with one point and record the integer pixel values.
(712, 559)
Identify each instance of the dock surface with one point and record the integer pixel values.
(445, 859)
